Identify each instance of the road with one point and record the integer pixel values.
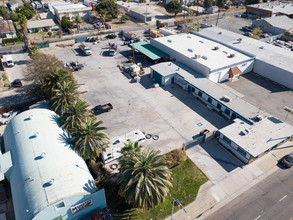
(272, 199)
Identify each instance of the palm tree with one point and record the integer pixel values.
(23, 24)
(77, 20)
(54, 80)
(75, 115)
(65, 95)
(131, 147)
(144, 178)
(88, 139)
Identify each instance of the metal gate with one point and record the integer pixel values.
(80, 39)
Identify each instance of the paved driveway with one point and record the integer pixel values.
(169, 112)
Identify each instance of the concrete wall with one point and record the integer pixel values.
(140, 16)
(273, 73)
(259, 11)
(85, 15)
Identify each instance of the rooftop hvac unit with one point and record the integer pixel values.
(190, 50)
(261, 47)
(239, 40)
(216, 48)
(258, 118)
(170, 41)
(226, 98)
(196, 56)
(244, 132)
(232, 55)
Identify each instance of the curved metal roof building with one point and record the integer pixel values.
(48, 180)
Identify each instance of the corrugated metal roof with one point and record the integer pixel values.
(40, 158)
(149, 50)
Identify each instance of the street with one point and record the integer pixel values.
(272, 198)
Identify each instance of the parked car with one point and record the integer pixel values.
(85, 49)
(287, 161)
(247, 28)
(181, 26)
(111, 36)
(74, 66)
(6, 117)
(247, 33)
(99, 109)
(16, 83)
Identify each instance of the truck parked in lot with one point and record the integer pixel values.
(85, 49)
(99, 109)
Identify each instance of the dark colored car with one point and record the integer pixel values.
(16, 83)
(111, 36)
(99, 109)
(287, 161)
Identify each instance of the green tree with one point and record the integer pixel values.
(14, 16)
(207, 4)
(53, 81)
(131, 147)
(41, 66)
(88, 139)
(144, 178)
(50, 33)
(76, 114)
(66, 24)
(109, 6)
(27, 10)
(174, 7)
(158, 24)
(32, 50)
(124, 18)
(65, 95)
(3, 12)
(22, 21)
(78, 20)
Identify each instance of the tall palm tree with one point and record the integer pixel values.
(54, 80)
(88, 139)
(131, 147)
(75, 115)
(64, 96)
(144, 178)
(23, 24)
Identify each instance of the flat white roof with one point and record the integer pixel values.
(274, 55)
(237, 104)
(257, 138)
(40, 23)
(283, 21)
(190, 45)
(275, 7)
(65, 6)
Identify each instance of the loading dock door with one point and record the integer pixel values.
(157, 77)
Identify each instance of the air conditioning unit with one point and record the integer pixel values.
(216, 48)
(258, 118)
(196, 56)
(226, 98)
(232, 55)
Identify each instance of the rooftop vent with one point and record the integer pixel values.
(220, 32)
(261, 47)
(178, 69)
(232, 55)
(170, 41)
(244, 132)
(188, 36)
(226, 98)
(196, 56)
(239, 40)
(216, 48)
(169, 64)
(204, 57)
(51, 182)
(258, 118)
(201, 41)
(190, 50)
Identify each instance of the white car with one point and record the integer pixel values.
(6, 117)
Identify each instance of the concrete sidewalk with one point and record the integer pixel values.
(213, 196)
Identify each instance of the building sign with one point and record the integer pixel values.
(288, 110)
(81, 206)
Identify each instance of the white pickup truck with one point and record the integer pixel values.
(85, 49)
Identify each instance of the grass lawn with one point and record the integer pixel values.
(187, 179)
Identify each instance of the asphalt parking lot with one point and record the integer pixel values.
(265, 94)
(169, 112)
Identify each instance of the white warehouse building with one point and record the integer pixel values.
(211, 59)
(272, 62)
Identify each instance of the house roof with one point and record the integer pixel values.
(4, 28)
(40, 23)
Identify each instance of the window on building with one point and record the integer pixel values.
(210, 100)
(241, 151)
(219, 106)
(227, 140)
(192, 89)
(227, 111)
(200, 93)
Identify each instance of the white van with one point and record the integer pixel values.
(9, 61)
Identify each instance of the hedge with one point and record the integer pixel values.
(10, 40)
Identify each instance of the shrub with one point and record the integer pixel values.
(177, 22)
(9, 40)
(176, 157)
(50, 33)
(4, 77)
(227, 7)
